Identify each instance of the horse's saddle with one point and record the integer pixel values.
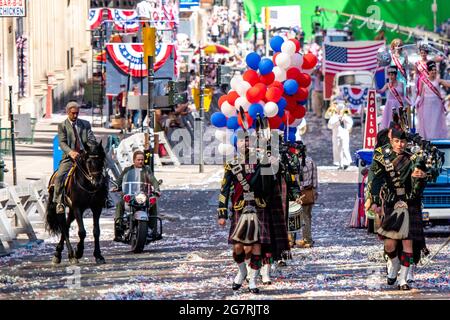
(67, 180)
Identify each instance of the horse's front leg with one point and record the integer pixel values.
(97, 253)
(81, 233)
(72, 258)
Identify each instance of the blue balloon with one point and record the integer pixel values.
(232, 123)
(254, 109)
(282, 126)
(281, 106)
(265, 66)
(291, 136)
(292, 129)
(276, 42)
(282, 103)
(218, 120)
(233, 139)
(253, 60)
(290, 87)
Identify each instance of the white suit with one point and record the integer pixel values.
(333, 124)
(343, 139)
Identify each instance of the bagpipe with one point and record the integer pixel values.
(429, 157)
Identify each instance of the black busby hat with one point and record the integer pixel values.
(398, 133)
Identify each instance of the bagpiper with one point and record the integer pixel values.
(396, 182)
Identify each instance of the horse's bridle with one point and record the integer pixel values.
(89, 175)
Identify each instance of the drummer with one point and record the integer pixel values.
(309, 190)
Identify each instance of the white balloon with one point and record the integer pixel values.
(280, 74)
(283, 60)
(242, 88)
(288, 47)
(235, 82)
(296, 60)
(225, 149)
(242, 102)
(271, 109)
(221, 135)
(228, 110)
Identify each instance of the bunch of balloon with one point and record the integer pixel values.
(276, 88)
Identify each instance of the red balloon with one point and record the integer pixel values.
(274, 58)
(275, 122)
(222, 99)
(293, 73)
(267, 78)
(277, 84)
(297, 44)
(291, 100)
(255, 94)
(298, 112)
(249, 120)
(302, 94)
(251, 76)
(309, 61)
(304, 80)
(288, 118)
(232, 96)
(274, 94)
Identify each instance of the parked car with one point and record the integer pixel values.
(436, 198)
(351, 88)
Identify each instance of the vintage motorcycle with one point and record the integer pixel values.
(141, 224)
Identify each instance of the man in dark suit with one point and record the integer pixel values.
(74, 134)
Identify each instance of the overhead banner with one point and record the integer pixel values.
(95, 18)
(13, 8)
(124, 20)
(370, 131)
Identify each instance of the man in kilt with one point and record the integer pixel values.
(396, 182)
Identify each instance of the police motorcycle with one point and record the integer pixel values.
(140, 222)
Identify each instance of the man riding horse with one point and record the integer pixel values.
(74, 134)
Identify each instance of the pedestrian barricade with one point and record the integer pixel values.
(20, 208)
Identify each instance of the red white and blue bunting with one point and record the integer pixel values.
(95, 18)
(128, 57)
(355, 95)
(124, 20)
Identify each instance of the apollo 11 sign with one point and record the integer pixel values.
(370, 132)
(13, 8)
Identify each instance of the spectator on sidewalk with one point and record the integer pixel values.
(309, 191)
(121, 107)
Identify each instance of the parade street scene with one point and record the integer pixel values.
(225, 150)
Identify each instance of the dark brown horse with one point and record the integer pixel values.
(86, 188)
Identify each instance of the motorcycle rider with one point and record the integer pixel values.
(138, 163)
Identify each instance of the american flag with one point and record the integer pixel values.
(349, 56)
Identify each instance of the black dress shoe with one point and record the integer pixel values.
(267, 283)
(404, 287)
(254, 290)
(390, 281)
(410, 281)
(236, 286)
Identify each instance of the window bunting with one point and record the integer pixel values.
(128, 57)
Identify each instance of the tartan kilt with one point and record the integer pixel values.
(263, 221)
(279, 242)
(415, 220)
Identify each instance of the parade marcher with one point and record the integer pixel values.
(431, 111)
(309, 190)
(343, 124)
(395, 98)
(333, 123)
(252, 229)
(138, 163)
(73, 135)
(395, 186)
(421, 69)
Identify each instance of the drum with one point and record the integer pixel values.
(294, 218)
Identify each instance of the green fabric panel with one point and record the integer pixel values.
(406, 13)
